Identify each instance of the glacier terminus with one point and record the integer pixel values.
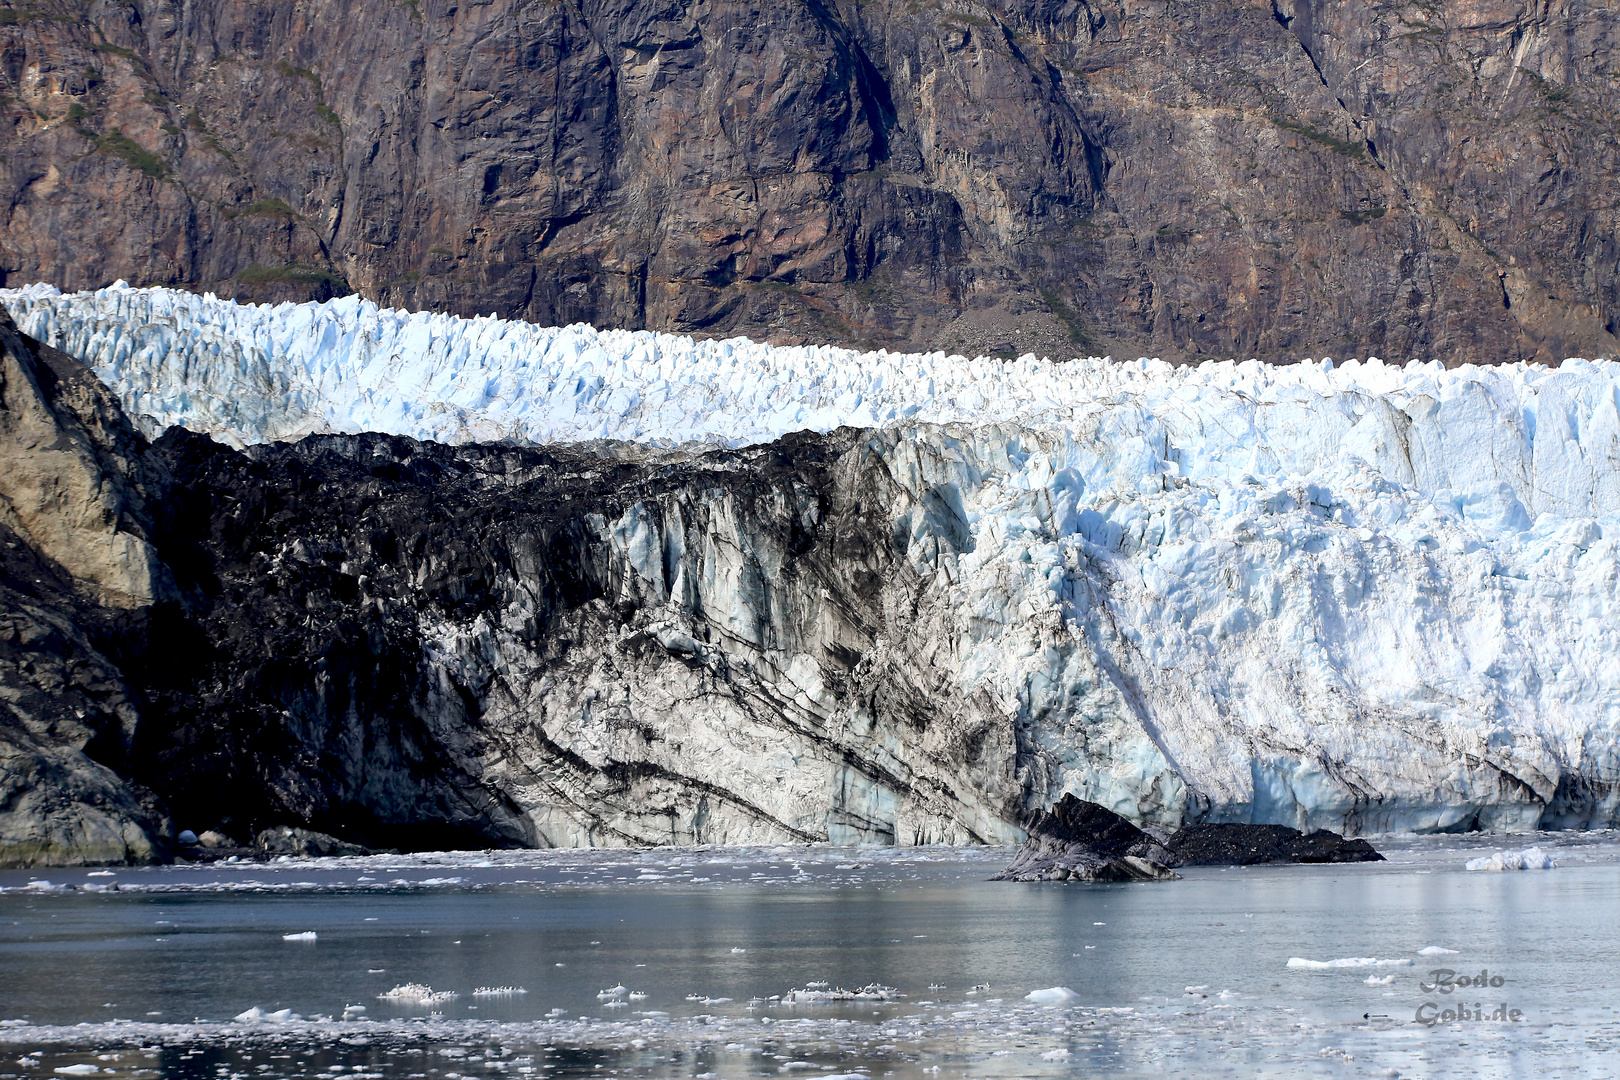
(1368, 597)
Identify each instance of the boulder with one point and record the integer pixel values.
(291, 840)
(1081, 841)
(1248, 845)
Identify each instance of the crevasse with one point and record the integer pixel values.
(1363, 596)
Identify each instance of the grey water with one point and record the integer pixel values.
(678, 962)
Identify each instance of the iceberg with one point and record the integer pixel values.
(1362, 596)
(1529, 859)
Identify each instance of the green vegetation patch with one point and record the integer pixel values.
(294, 275)
(119, 145)
(1350, 148)
(1066, 315)
(266, 208)
(24, 15)
(1361, 217)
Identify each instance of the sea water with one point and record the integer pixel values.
(813, 962)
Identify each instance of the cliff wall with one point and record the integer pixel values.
(1134, 177)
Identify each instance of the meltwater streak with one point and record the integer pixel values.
(1184, 979)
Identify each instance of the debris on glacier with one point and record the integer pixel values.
(1081, 841)
(1532, 858)
(1235, 844)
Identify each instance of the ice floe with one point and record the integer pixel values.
(1531, 858)
(418, 994)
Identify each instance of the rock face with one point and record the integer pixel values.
(73, 559)
(1227, 178)
(1081, 841)
(1246, 845)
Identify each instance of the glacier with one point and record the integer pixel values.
(1366, 596)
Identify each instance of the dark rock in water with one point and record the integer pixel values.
(291, 840)
(1246, 845)
(1081, 841)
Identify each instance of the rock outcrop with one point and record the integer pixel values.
(1129, 176)
(73, 559)
(1237, 844)
(68, 463)
(1081, 841)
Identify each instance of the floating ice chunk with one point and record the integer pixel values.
(739, 950)
(498, 991)
(257, 1015)
(869, 992)
(1052, 995)
(77, 1070)
(1532, 858)
(1347, 962)
(1060, 1054)
(418, 994)
(1436, 950)
(307, 935)
(614, 991)
(1379, 980)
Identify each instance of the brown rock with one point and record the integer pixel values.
(1228, 178)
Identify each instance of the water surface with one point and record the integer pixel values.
(189, 971)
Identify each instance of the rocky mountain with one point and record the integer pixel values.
(1220, 178)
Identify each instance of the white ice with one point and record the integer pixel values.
(1346, 962)
(418, 994)
(1532, 858)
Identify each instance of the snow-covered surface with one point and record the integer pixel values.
(1363, 596)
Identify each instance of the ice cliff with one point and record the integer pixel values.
(1360, 597)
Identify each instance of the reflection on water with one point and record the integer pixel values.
(211, 972)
